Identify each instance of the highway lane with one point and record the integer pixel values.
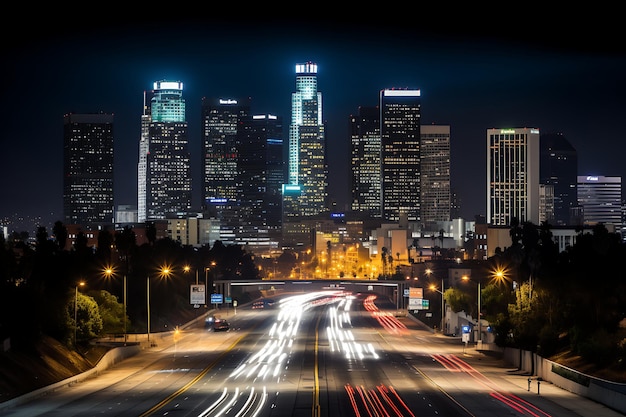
(327, 354)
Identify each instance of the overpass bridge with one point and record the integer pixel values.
(396, 291)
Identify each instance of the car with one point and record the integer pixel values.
(208, 321)
(220, 325)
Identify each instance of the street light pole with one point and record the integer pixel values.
(206, 286)
(76, 309)
(443, 307)
(443, 301)
(148, 304)
(125, 331)
(480, 324)
(480, 329)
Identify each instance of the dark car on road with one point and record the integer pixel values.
(220, 325)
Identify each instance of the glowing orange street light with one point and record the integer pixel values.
(165, 272)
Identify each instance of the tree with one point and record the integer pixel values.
(111, 311)
(60, 234)
(88, 324)
(384, 257)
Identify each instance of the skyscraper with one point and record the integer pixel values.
(220, 124)
(260, 178)
(435, 173)
(307, 142)
(88, 170)
(559, 168)
(601, 200)
(164, 171)
(365, 158)
(400, 113)
(512, 176)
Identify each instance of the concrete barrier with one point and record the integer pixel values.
(611, 394)
(109, 359)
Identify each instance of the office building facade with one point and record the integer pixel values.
(88, 170)
(365, 161)
(220, 124)
(559, 168)
(400, 114)
(260, 177)
(435, 174)
(307, 143)
(600, 198)
(164, 170)
(512, 176)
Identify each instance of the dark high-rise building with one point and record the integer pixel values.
(220, 124)
(164, 170)
(88, 170)
(400, 154)
(600, 198)
(365, 158)
(559, 168)
(435, 200)
(260, 176)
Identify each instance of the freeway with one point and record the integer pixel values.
(319, 354)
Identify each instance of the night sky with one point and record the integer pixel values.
(563, 77)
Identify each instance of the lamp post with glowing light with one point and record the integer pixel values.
(206, 281)
(480, 330)
(109, 272)
(443, 300)
(76, 309)
(165, 272)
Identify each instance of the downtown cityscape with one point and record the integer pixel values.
(472, 197)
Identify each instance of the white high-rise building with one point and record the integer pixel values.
(512, 176)
(164, 171)
(307, 143)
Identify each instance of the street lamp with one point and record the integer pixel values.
(480, 330)
(81, 283)
(206, 282)
(443, 300)
(165, 272)
(187, 268)
(109, 272)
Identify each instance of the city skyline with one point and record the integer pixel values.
(555, 88)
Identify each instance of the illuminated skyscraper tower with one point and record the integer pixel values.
(88, 170)
(307, 143)
(220, 123)
(164, 172)
(435, 173)
(512, 176)
(365, 158)
(400, 113)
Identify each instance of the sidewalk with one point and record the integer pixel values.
(517, 383)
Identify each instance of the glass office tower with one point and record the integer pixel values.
(601, 200)
(400, 113)
(512, 176)
(88, 170)
(435, 173)
(559, 168)
(164, 171)
(307, 142)
(365, 158)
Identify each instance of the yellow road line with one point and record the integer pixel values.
(188, 385)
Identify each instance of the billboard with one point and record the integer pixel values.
(197, 295)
